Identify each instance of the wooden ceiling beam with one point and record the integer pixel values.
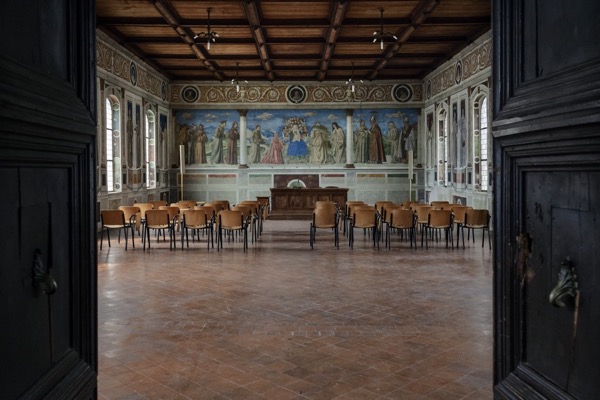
(170, 15)
(338, 14)
(258, 34)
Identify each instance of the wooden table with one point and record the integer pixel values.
(287, 203)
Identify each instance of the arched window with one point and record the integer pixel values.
(443, 170)
(481, 140)
(150, 140)
(113, 144)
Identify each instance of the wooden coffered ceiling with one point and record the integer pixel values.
(269, 40)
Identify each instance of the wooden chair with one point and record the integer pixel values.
(422, 211)
(438, 204)
(157, 203)
(140, 219)
(131, 214)
(477, 219)
(459, 219)
(229, 222)
(257, 215)
(384, 216)
(438, 220)
(249, 218)
(325, 217)
(174, 214)
(366, 218)
(114, 219)
(196, 221)
(347, 214)
(403, 221)
(157, 220)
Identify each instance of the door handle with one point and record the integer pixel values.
(42, 278)
(566, 286)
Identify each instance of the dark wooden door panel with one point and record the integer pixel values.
(47, 148)
(561, 214)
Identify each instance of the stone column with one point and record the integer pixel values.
(349, 140)
(242, 141)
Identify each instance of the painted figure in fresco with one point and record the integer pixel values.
(233, 135)
(410, 140)
(462, 137)
(201, 140)
(361, 143)
(129, 136)
(191, 144)
(297, 146)
(454, 135)
(256, 140)
(216, 156)
(376, 150)
(396, 148)
(338, 143)
(137, 133)
(319, 145)
(275, 154)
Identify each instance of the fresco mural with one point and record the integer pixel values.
(314, 137)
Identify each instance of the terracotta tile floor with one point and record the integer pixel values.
(284, 322)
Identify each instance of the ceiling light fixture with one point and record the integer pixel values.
(381, 34)
(351, 81)
(208, 35)
(236, 81)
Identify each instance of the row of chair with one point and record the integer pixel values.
(198, 217)
(408, 218)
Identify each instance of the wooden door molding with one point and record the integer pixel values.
(547, 171)
(47, 161)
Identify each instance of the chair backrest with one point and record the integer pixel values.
(246, 210)
(459, 213)
(158, 203)
(440, 218)
(321, 203)
(325, 217)
(184, 204)
(349, 203)
(401, 218)
(210, 210)
(477, 218)
(408, 203)
(112, 218)
(157, 219)
(422, 212)
(438, 204)
(231, 219)
(195, 218)
(448, 206)
(129, 211)
(220, 205)
(252, 203)
(387, 208)
(380, 204)
(144, 207)
(350, 207)
(364, 217)
(172, 210)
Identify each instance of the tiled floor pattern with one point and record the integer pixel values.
(284, 322)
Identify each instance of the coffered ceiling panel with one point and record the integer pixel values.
(269, 40)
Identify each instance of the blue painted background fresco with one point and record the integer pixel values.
(282, 121)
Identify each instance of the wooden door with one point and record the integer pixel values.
(48, 259)
(547, 210)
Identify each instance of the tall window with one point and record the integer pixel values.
(113, 144)
(150, 150)
(442, 135)
(480, 143)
